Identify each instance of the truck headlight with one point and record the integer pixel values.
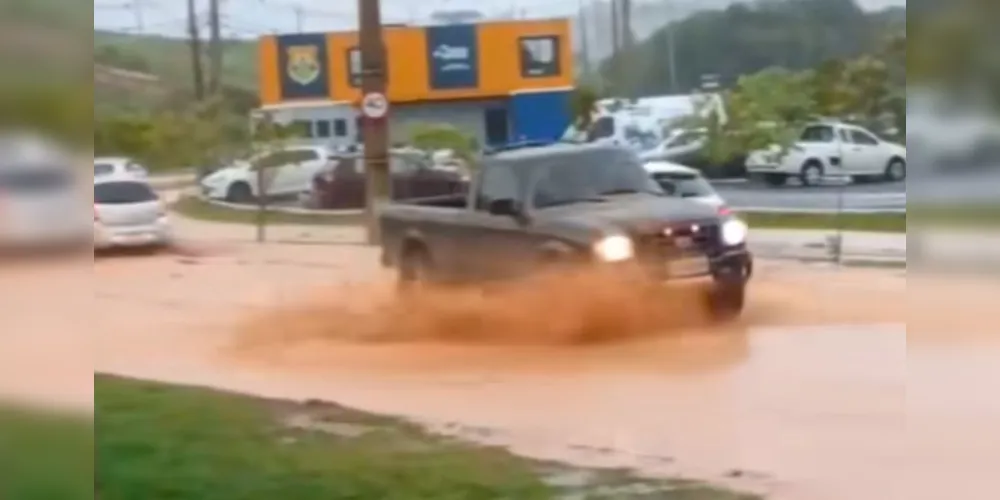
(615, 248)
(734, 232)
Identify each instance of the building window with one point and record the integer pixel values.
(323, 129)
(340, 127)
(354, 67)
(540, 56)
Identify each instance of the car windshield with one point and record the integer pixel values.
(103, 169)
(592, 177)
(685, 185)
(34, 179)
(121, 193)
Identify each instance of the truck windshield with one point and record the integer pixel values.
(592, 177)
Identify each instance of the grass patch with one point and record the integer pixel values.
(197, 208)
(158, 441)
(45, 455)
(883, 223)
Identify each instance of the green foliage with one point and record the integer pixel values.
(771, 107)
(433, 136)
(747, 38)
(62, 110)
(583, 103)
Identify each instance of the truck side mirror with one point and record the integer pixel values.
(505, 207)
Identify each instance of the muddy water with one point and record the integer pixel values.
(819, 394)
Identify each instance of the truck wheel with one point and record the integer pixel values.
(812, 173)
(414, 269)
(895, 171)
(775, 180)
(239, 193)
(726, 302)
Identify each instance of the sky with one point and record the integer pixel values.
(252, 18)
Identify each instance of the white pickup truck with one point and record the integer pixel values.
(830, 150)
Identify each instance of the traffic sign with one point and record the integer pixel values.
(374, 106)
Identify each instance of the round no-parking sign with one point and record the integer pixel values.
(374, 106)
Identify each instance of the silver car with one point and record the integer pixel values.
(41, 207)
(128, 213)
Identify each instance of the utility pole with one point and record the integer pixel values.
(672, 52)
(584, 40)
(195, 43)
(138, 7)
(628, 44)
(215, 47)
(616, 63)
(300, 16)
(376, 131)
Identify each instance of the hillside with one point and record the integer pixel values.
(746, 38)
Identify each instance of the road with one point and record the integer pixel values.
(744, 195)
(858, 384)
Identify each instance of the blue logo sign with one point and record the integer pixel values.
(453, 57)
(303, 66)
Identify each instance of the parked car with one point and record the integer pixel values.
(341, 184)
(128, 213)
(42, 203)
(684, 182)
(831, 150)
(687, 147)
(117, 166)
(552, 206)
(286, 173)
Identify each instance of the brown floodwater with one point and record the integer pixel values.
(837, 385)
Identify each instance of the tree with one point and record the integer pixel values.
(747, 38)
(432, 137)
(582, 106)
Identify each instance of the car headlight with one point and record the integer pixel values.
(615, 248)
(734, 232)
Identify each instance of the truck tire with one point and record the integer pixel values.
(775, 180)
(239, 193)
(812, 173)
(414, 268)
(726, 301)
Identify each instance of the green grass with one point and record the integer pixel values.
(44, 456)
(163, 442)
(884, 223)
(196, 208)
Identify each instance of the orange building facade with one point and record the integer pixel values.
(511, 68)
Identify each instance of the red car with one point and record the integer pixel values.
(341, 184)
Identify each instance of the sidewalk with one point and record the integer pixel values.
(857, 247)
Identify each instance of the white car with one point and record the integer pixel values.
(118, 166)
(831, 150)
(128, 213)
(42, 207)
(684, 182)
(288, 172)
(680, 143)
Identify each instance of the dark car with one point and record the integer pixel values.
(341, 185)
(532, 208)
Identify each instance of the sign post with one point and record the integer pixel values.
(375, 127)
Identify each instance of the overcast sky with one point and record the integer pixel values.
(249, 18)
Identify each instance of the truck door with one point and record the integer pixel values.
(496, 245)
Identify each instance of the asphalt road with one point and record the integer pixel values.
(751, 195)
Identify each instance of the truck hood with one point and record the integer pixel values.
(637, 214)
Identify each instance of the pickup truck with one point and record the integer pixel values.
(533, 208)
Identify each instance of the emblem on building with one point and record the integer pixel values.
(303, 64)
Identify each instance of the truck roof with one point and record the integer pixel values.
(534, 152)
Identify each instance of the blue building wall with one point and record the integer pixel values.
(539, 116)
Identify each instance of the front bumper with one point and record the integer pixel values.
(133, 236)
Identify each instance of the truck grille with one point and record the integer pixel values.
(678, 240)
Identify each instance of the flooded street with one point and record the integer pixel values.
(821, 393)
